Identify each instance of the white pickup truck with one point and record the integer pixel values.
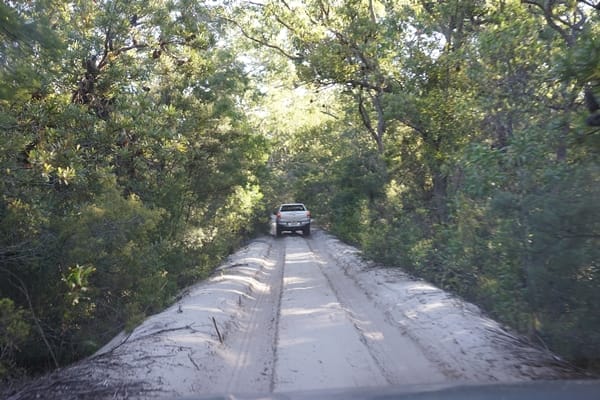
(292, 217)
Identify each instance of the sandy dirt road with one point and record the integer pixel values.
(330, 336)
(295, 314)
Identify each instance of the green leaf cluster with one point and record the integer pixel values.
(129, 168)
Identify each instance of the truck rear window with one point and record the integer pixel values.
(293, 207)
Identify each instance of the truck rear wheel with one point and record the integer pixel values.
(306, 230)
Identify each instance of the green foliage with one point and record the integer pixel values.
(117, 241)
(484, 175)
(564, 261)
(26, 36)
(129, 168)
(14, 329)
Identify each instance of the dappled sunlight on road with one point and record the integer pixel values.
(193, 338)
(301, 288)
(318, 346)
(294, 280)
(376, 335)
(298, 258)
(251, 281)
(432, 306)
(324, 310)
(212, 310)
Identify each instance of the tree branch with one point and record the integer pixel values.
(381, 123)
(551, 19)
(262, 41)
(366, 119)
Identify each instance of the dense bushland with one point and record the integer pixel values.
(141, 141)
(458, 149)
(128, 169)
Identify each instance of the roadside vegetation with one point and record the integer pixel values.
(142, 141)
(128, 169)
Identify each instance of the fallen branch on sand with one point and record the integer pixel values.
(217, 329)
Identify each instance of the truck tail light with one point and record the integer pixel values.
(278, 216)
(307, 214)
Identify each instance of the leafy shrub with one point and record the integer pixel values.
(14, 329)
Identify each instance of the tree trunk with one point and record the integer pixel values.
(440, 192)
